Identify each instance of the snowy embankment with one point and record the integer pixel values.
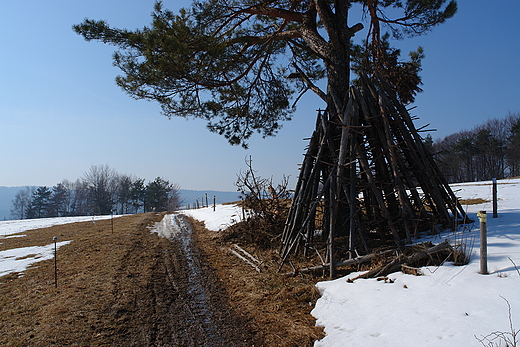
(221, 218)
(447, 306)
(18, 259)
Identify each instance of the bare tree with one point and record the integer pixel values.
(101, 180)
(21, 203)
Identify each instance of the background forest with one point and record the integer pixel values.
(490, 150)
(100, 191)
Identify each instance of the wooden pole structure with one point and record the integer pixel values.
(366, 176)
(332, 227)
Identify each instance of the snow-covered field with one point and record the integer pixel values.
(447, 306)
(18, 259)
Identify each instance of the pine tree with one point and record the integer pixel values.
(40, 203)
(513, 149)
(240, 65)
(124, 192)
(58, 201)
(157, 195)
(138, 194)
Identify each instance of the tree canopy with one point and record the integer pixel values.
(243, 64)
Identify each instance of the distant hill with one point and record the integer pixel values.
(190, 197)
(7, 195)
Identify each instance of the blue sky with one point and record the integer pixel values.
(61, 112)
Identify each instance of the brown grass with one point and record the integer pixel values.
(278, 305)
(35, 313)
(113, 290)
(475, 201)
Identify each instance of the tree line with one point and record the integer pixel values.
(100, 191)
(490, 150)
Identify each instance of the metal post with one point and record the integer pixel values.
(482, 216)
(55, 238)
(495, 198)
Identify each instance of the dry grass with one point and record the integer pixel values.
(114, 290)
(279, 306)
(35, 313)
(475, 201)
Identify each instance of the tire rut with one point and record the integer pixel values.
(165, 296)
(194, 297)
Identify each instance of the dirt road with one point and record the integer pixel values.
(183, 299)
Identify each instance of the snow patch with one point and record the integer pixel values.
(19, 259)
(170, 227)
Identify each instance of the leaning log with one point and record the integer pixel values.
(396, 264)
(354, 261)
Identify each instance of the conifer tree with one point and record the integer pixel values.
(157, 194)
(40, 203)
(242, 64)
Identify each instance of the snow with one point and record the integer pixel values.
(17, 226)
(19, 259)
(221, 218)
(447, 306)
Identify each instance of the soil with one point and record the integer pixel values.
(121, 285)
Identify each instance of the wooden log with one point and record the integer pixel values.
(377, 194)
(396, 264)
(410, 270)
(353, 261)
(291, 246)
(246, 253)
(245, 259)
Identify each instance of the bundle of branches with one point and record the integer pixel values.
(367, 178)
(267, 205)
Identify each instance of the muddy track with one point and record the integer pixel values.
(166, 296)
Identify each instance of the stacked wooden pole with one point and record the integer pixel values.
(366, 178)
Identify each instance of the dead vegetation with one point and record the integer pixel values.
(125, 289)
(476, 201)
(280, 305)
